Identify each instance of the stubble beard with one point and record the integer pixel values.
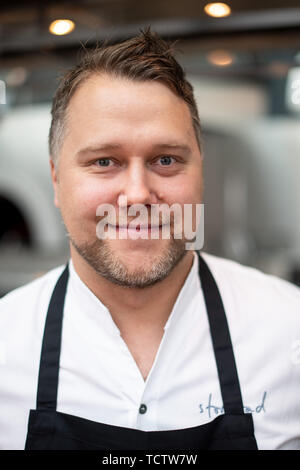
(102, 258)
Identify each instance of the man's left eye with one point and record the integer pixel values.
(166, 160)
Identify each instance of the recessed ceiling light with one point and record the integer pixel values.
(60, 27)
(220, 58)
(217, 9)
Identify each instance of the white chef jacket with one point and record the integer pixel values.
(99, 380)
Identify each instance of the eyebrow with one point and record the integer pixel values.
(97, 148)
(113, 146)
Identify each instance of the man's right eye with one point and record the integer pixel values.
(104, 162)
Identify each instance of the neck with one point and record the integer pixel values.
(147, 306)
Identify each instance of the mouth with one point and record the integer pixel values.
(137, 227)
(143, 231)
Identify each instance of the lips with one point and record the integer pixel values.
(148, 227)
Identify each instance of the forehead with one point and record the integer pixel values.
(106, 104)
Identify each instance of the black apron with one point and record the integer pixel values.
(49, 429)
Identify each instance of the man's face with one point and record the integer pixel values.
(132, 139)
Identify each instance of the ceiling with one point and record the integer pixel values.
(24, 24)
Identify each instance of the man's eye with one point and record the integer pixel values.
(103, 162)
(166, 160)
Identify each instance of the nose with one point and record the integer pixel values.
(138, 186)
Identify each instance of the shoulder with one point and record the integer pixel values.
(263, 313)
(27, 298)
(247, 276)
(253, 287)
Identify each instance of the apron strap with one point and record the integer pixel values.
(49, 363)
(227, 371)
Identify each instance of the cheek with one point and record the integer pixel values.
(184, 191)
(80, 197)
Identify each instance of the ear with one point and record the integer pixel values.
(55, 183)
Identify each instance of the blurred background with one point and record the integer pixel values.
(243, 59)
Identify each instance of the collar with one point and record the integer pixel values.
(85, 300)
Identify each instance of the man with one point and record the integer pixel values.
(141, 343)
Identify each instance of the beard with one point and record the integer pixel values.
(102, 258)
